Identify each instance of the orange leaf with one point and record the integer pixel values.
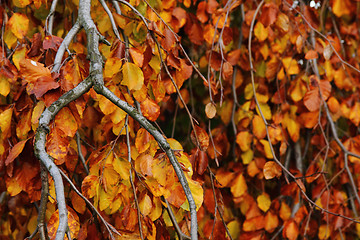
(309, 119)
(15, 151)
(150, 109)
(253, 224)
(311, 55)
(341, 7)
(57, 145)
(31, 70)
(142, 140)
(291, 230)
(269, 14)
(202, 136)
(271, 170)
(200, 12)
(244, 139)
(312, 98)
(66, 121)
(271, 221)
(137, 56)
(77, 202)
(145, 162)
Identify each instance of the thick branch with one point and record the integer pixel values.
(40, 152)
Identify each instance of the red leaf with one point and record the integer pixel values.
(52, 42)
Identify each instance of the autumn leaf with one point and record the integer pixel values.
(19, 25)
(271, 170)
(73, 223)
(201, 135)
(15, 151)
(210, 110)
(90, 186)
(133, 76)
(150, 109)
(312, 99)
(264, 202)
(311, 55)
(239, 186)
(261, 32)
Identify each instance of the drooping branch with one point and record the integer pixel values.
(162, 143)
(40, 152)
(96, 74)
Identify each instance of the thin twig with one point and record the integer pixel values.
(131, 178)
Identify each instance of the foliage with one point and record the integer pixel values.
(258, 101)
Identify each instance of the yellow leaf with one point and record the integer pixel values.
(263, 202)
(12, 186)
(265, 109)
(156, 211)
(197, 192)
(122, 167)
(105, 199)
(234, 229)
(18, 55)
(117, 116)
(133, 76)
(145, 205)
(239, 186)
(32, 224)
(5, 120)
(21, 3)
(290, 65)
(267, 149)
(10, 39)
(324, 232)
(19, 25)
(4, 86)
(112, 66)
(260, 31)
(247, 156)
(293, 128)
(298, 90)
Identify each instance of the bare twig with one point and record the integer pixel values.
(131, 178)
